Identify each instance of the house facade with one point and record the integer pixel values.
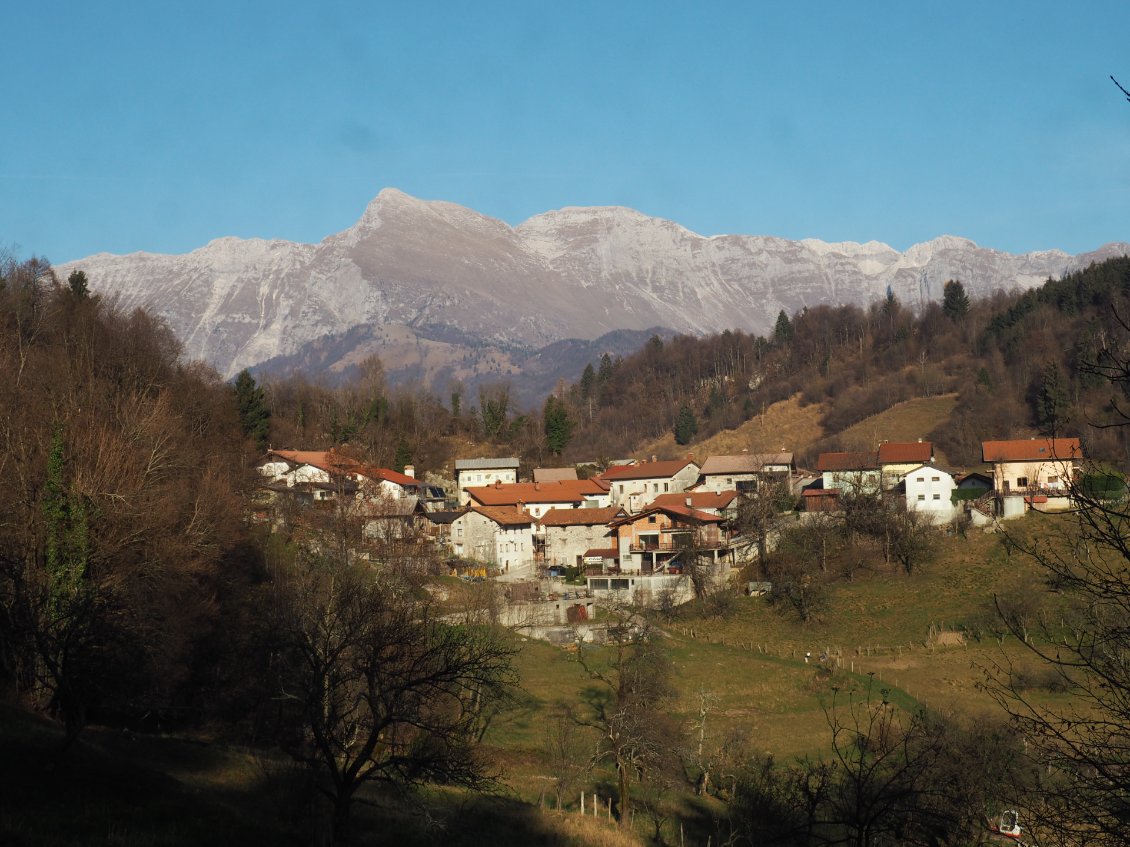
(634, 487)
(744, 471)
(1033, 466)
(499, 536)
(652, 540)
(929, 490)
(565, 536)
(481, 472)
(898, 458)
(850, 472)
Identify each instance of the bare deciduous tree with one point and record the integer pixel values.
(375, 686)
(627, 702)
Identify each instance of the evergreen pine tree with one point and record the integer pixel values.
(955, 302)
(78, 284)
(686, 425)
(558, 427)
(783, 331)
(403, 456)
(254, 416)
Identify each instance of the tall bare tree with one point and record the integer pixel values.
(627, 703)
(375, 685)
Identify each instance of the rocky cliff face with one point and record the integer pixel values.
(442, 292)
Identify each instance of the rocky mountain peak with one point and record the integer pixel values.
(444, 293)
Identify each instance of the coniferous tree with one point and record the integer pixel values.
(78, 284)
(558, 427)
(955, 302)
(403, 456)
(783, 331)
(686, 425)
(1051, 401)
(254, 416)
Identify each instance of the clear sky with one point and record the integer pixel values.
(159, 126)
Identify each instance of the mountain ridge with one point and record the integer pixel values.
(572, 273)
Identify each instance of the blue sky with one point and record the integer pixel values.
(153, 126)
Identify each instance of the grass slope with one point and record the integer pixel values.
(785, 425)
(906, 421)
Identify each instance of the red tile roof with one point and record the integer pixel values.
(699, 499)
(580, 517)
(678, 511)
(390, 475)
(1032, 450)
(847, 462)
(504, 515)
(326, 460)
(646, 470)
(905, 452)
(603, 552)
(512, 493)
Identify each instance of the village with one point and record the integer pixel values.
(651, 532)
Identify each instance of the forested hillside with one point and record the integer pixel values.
(1020, 364)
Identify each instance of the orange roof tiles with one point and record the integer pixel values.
(390, 475)
(504, 515)
(905, 452)
(511, 493)
(1032, 450)
(326, 460)
(646, 470)
(580, 517)
(699, 499)
(679, 511)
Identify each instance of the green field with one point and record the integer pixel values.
(877, 630)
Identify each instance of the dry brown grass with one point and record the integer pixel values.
(591, 832)
(785, 425)
(906, 421)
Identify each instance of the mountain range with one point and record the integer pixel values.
(442, 293)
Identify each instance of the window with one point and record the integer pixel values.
(937, 496)
(666, 487)
(921, 496)
(655, 488)
(935, 479)
(1022, 482)
(1052, 480)
(621, 488)
(651, 518)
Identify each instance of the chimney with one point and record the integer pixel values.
(690, 457)
(410, 470)
(498, 483)
(537, 486)
(688, 502)
(653, 458)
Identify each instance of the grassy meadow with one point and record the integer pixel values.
(881, 629)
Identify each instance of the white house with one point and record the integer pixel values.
(481, 472)
(928, 490)
(850, 473)
(635, 486)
